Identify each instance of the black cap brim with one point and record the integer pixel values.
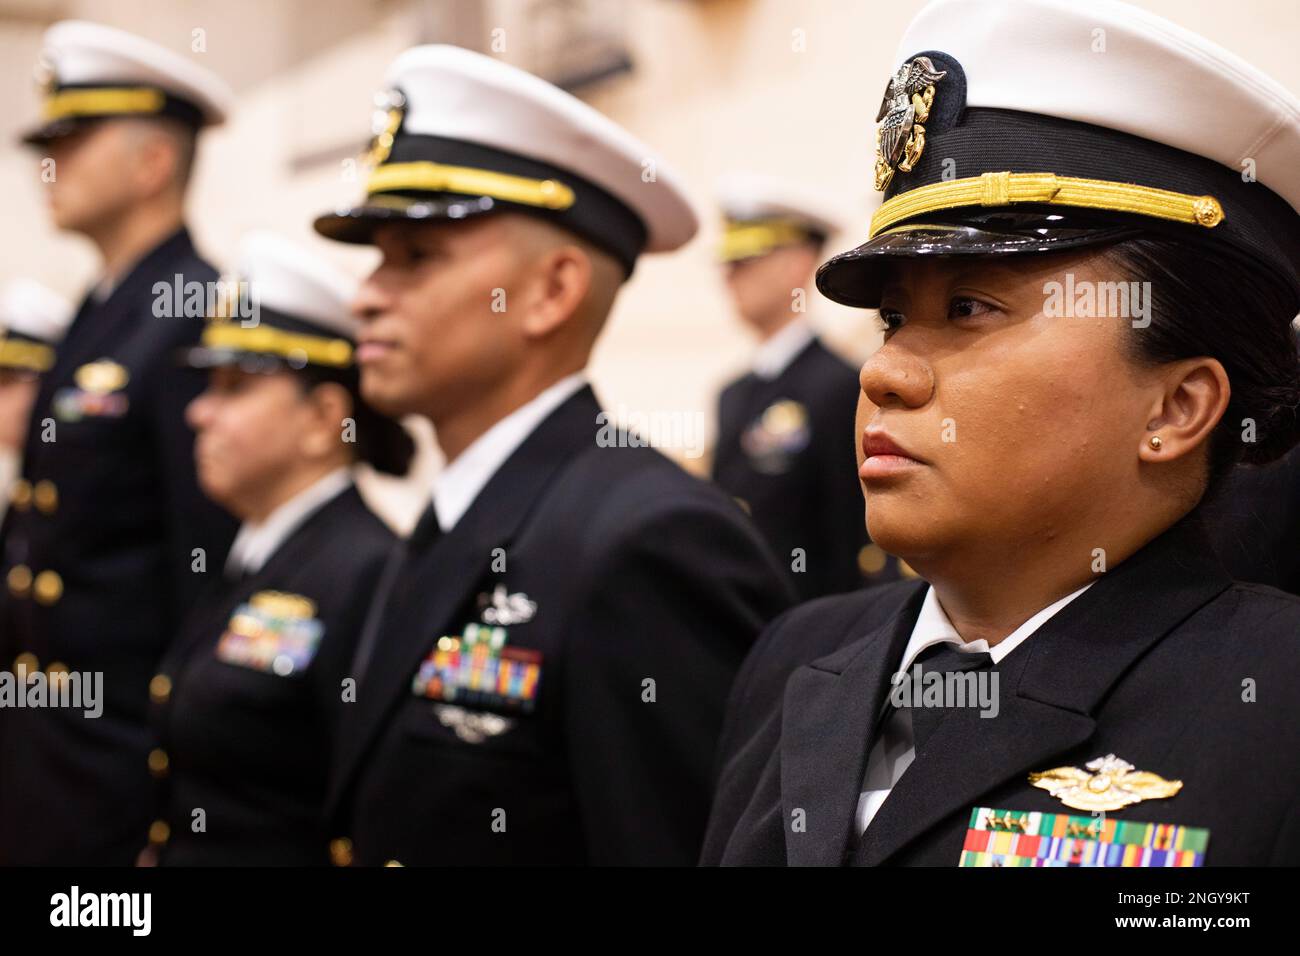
(357, 225)
(44, 134)
(855, 278)
(203, 358)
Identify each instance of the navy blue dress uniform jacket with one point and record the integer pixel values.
(800, 484)
(98, 555)
(1155, 663)
(246, 740)
(634, 588)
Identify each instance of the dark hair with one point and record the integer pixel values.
(1203, 303)
(381, 441)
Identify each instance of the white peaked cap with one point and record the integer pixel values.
(1115, 65)
(746, 196)
(93, 70)
(34, 310)
(286, 277)
(478, 135)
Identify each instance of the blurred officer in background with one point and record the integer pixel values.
(785, 428)
(33, 320)
(249, 697)
(548, 680)
(102, 564)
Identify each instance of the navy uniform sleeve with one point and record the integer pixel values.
(650, 663)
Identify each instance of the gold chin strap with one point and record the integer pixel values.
(102, 102)
(1004, 189)
(744, 239)
(437, 178)
(29, 356)
(316, 349)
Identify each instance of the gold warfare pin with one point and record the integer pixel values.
(1112, 784)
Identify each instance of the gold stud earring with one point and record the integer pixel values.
(1155, 442)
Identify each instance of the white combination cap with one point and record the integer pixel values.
(1023, 126)
(762, 213)
(459, 134)
(93, 72)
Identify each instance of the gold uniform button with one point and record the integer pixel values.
(160, 688)
(57, 672)
(159, 832)
(393, 863)
(48, 587)
(872, 559)
(28, 661)
(20, 580)
(158, 762)
(46, 496)
(341, 851)
(20, 496)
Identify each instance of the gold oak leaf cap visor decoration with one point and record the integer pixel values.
(1002, 133)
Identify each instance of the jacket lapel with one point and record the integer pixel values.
(436, 581)
(828, 717)
(1050, 686)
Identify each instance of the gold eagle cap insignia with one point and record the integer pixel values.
(1112, 784)
(900, 137)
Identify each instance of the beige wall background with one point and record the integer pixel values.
(778, 86)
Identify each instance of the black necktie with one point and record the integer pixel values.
(945, 659)
(427, 530)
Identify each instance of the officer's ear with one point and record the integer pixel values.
(560, 279)
(159, 158)
(331, 408)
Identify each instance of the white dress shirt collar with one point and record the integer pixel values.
(255, 543)
(457, 485)
(933, 627)
(775, 355)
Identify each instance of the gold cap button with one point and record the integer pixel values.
(159, 832)
(158, 762)
(46, 496)
(160, 688)
(20, 496)
(48, 588)
(27, 661)
(341, 851)
(20, 580)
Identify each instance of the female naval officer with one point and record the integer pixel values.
(1086, 264)
(247, 700)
